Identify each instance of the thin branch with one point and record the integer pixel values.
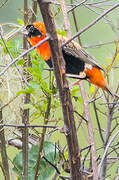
(47, 113)
(34, 11)
(25, 100)
(57, 170)
(81, 116)
(100, 2)
(85, 157)
(79, 4)
(13, 59)
(3, 151)
(3, 3)
(28, 125)
(66, 21)
(108, 130)
(98, 122)
(3, 171)
(105, 152)
(92, 23)
(90, 132)
(64, 92)
(75, 22)
(88, 118)
(92, 10)
(23, 54)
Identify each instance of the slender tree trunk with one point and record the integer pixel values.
(64, 92)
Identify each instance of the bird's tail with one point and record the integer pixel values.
(111, 93)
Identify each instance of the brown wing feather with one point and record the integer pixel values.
(74, 49)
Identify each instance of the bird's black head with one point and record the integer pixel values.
(33, 31)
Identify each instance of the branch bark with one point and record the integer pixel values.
(66, 19)
(88, 118)
(106, 149)
(3, 151)
(26, 99)
(34, 9)
(21, 55)
(92, 23)
(64, 92)
(47, 113)
(90, 132)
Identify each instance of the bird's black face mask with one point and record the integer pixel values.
(33, 31)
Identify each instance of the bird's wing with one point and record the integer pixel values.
(74, 49)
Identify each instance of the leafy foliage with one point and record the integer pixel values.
(40, 86)
(45, 169)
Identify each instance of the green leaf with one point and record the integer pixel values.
(80, 99)
(20, 21)
(20, 62)
(4, 48)
(45, 169)
(74, 90)
(34, 84)
(28, 90)
(92, 89)
(66, 155)
(62, 32)
(44, 85)
(35, 62)
(28, 106)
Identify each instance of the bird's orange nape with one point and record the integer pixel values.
(40, 25)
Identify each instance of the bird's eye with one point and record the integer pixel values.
(33, 31)
(28, 27)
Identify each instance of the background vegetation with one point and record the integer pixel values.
(31, 114)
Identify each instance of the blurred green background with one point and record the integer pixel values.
(106, 30)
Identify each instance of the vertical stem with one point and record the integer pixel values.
(47, 113)
(64, 92)
(25, 21)
(75, 22)
(88, 117)
(66, 23)
(34, 8)
(98, 121)
(3, 150)
(66, 19)
(109, 121)
(26, 99)
(25, 120)
(90, 132)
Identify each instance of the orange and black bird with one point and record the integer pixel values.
(78, 62)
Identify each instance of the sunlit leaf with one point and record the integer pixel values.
(20, 21)
(66, 155)
(92, 89)
(62, 32)
(74, 90)
(20, 62)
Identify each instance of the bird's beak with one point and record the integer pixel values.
(24, 31)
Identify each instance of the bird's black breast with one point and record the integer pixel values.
(73, 64)
(49, 63)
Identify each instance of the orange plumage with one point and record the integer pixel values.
(96, 77)
(43, 49)
(75, 64)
